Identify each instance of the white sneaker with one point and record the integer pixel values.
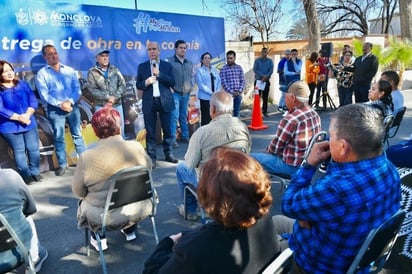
(130, 236)
(103, 241)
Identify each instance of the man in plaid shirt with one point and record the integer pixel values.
(233, 80)
(294, 133)
(360, 190)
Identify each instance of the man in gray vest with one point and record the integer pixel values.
(183, 76)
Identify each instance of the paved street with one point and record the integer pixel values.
(56, 216)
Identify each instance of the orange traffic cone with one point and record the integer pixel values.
(257, 122)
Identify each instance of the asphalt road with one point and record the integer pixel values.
(57, 206)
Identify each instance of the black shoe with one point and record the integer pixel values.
(170, 158)
(153, 163)
(265, 114)
(37, 177)
(60, 171)
(28, 180)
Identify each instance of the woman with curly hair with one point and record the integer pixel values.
(235, 191)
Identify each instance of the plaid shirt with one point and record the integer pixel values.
(342, 207)
(294, 134)
(232, 78)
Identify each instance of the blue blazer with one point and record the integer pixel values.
(166, 82)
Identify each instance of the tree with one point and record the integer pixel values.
(345, 15)
(397, 55)
(258, 15)
(406, 18)
(298, 31)
(351, 16)
(312, 21)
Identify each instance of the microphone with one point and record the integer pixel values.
(153, 63)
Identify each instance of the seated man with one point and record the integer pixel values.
(16, 204)
(360, 190)
(294, 133)
(223, 130)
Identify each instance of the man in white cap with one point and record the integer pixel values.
(106, 84)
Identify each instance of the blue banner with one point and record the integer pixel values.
(77, 30)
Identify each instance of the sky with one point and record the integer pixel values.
(194, 7)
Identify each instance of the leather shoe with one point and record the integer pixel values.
(37, 177)
(60, 171)
(170, 158)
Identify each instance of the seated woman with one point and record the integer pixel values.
(380, 97)
(96, 165)
(235, 191)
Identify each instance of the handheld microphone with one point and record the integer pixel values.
(153, 63)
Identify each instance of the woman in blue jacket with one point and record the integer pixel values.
(17, 122)
(208, 81)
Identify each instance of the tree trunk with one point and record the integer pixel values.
(313, 25)
(405, 6)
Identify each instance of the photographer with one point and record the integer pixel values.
(312, 72)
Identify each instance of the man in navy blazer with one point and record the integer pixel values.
(155, 79)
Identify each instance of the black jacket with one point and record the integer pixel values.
(213, 249)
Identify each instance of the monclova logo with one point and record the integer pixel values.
(58, 19)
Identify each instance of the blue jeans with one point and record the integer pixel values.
(237, 100)
(21, 143)
(180, 113)
(22, 228)
(186, 176)
(274, 164)
(283, 91)
(119, 108)
(58, 118)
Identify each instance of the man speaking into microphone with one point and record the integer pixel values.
(155, 79)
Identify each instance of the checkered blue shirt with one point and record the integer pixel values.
(342, 207)
(232, 78)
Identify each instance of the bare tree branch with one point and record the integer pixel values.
(259, 16)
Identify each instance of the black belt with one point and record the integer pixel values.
(156, 97)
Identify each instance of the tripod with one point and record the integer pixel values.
(325, 99)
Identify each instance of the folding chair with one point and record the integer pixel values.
(192, 189)
(282, 263)
(377, 246)
(9, 240)
(127, 186)
(394, 126)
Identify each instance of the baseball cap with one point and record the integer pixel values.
(287, 51)
(100, 51)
